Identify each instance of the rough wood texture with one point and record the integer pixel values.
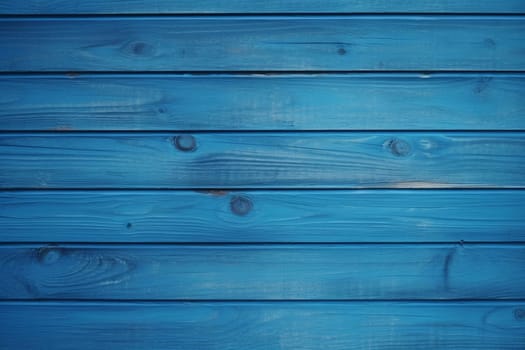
(263, 43)
(248, 160)
(258, 6)
(263, 272)
(272, 216)
(232, 326)
(361, 101)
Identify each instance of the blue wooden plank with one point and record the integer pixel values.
(269, 325)
(263, 160)
(257, 6)
(268, 216)
(263, 272)
(263, 102)
(298, 43)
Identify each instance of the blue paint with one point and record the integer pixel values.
(257, 43)
(259, 6)
(333, 160)
(353, 101)
(287, 175)
(263, 272)
(269, 216)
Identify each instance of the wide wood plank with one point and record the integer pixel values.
(237, 325)
(263, 272)
(262, 43)
(263, 102)
(257, 6)
(262, 216)
(265, 160)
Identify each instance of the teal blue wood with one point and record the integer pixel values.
(263, 272)
(263, 160)
(363, 101)
(234, 43)
(272, 216)
(257, 6)
(262, 174)
(294, 325)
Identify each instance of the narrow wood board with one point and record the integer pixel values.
(261, 43)
(284, 325)
(263, 272)
(361, 101)
(263, 216)
(263, 160)
(41, 7)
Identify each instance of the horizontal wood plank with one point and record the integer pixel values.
(258, 102)
(262, 43)
(257, 6)
(263, 160)
(309, 326)
(268, 216)
(263, 272)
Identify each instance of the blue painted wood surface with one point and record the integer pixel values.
(371, 101)
(264, 325)
(274, 175)
(266, 216)
(263, 272)
(263, 160)
(258, 6)
(299, 43)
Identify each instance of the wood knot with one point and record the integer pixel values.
(48, 255)
(489, 42)
(185, 143)
(519, 314)
(341, 51)
(399, 148)
(482, 84)
(138, 48)
(241, 205)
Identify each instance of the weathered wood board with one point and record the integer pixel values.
(263, 160)
(263, 216)
(262, 43)
(264, 325)
(294, 102)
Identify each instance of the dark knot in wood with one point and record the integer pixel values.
(399, 148)
(241, 205)
(185, 143)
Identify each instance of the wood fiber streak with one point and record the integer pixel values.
(257, 43)
(275, 216)
(257, 102)
(255, 272)
(248, 160)
(232, 326)
(257, 6)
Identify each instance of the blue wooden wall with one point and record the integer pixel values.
(262, 174)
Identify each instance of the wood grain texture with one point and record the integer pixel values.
(371, 101)
(257, 6)
(229, 326)
(262, 43)
(263, 160)
(263, 272)
(274, 216)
